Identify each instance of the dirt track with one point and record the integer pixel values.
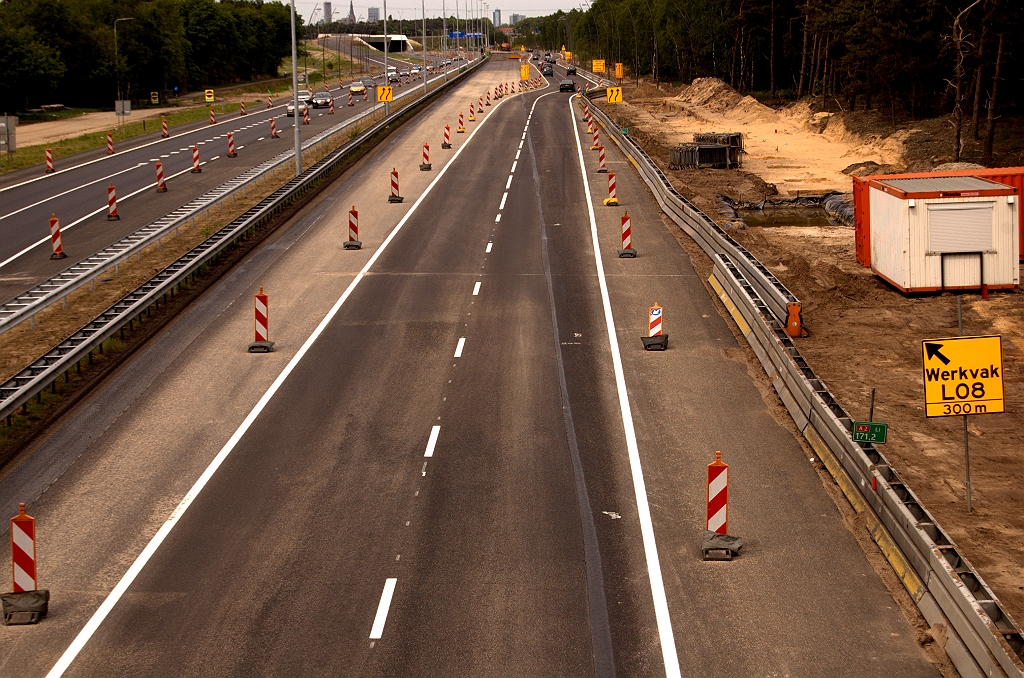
(864, 333)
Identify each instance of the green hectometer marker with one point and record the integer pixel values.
(870, 432)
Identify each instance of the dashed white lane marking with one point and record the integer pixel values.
(476, 288)
(508, 183)
(489, 246)
(514, 163)
(524, 135)
(165, 156)
(521, 144)
(214, 158)
(175, 152)
(661, 613)
(382, 609)
(72, 190)
(497, 218)
(517, 154)
(261, 139)
(504, 196)
(432, 441)
(458, 347)
(241, 147)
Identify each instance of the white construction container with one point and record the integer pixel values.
(943, 233)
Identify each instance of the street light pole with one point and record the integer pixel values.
(117, 61)
(387, 78)
(423, 71)
(295, 97)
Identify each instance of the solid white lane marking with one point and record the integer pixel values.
(382, 608)
(72, 190)
(458, 347)
(668, 643)
(504, 196)
(65, 229)
(432, 441)
(101, 613)
(476, 288)
(509, 182)
(514, 163)
(489, 245)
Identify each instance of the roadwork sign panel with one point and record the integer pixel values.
(208, 96)
(598, 66)
(385, 93)
(614, 95)
(524, 72)
(963, 375)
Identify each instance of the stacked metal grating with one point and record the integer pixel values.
(979, 637)
(700, 156)
(734, 140)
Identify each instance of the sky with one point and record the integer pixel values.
(409, 9)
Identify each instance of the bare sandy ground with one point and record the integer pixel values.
(68, 128)
(794, 149)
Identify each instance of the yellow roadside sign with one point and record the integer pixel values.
(209, 96)
(614, 95)
(385, 93)
(618, 71)
(524, 72)
(598, 66)
(154, 97)
(568, 56)
(963, 375)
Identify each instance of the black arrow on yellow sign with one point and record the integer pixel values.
(932, 350)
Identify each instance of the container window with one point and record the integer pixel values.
(960, 227)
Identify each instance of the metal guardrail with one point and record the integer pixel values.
(31, 380)
(27, 304)
(981, 639)
(709, 235)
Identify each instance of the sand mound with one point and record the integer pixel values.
(714, 95)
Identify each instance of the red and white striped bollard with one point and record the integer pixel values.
(196, 169)
(425, 165)
(261, 324)
(602, 164)
(163, 128)
(305, 115)
(55, 241)
(23, 551)
(394, 197)
(472, 114)
(241, 109)
(461, 129)
(213, 118)
(597, 141)
(110, 143)
(627, 250)
(273, 128)
(330, 106)
(586, 112)
(447, 143)
(656, 340)
(353, 242)
(718, 496)
(161, 187)
(231, 145)
(270, 101)
(350, 103)
(112, 214)
(612, 198)
(49, 161)
(488, 102)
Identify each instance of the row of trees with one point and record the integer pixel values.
(912, 58)
(64, 50)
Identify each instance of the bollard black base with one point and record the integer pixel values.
(627, 254)
(113, 217)
(603, 170)
(443, 145)
(395, 198)
(261, 347)
(232, 155)
(59, 255)
(197, 171)
(25, 607)
(720, 546)
(425, 167)
(658, 343)
(162, 190)
(353, 244)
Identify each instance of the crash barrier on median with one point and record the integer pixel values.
(980, 638)
(44, 371)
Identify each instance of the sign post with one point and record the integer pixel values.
(8, 140)
(962, 376)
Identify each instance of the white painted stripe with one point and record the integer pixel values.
(432, 441)
(517, 153)
(521, 143)
(136, 567)
(489, 246)
(382, 608)
(718, 484)
(476, 288)
(661, 614)
(458, 347)
(717, 520)
(514, 163)
(497, 218)
(22, 579)
(504, 197)
(72, 190)
(509, 182)
(22, 541)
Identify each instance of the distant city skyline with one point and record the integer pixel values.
(409, 9)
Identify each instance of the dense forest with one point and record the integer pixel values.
(63, 50)
(909, 58)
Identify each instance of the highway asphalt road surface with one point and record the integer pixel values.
(458, 461)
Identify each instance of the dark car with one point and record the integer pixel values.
(322, 99)
(535, 58)
(570, 70)
(546, 70)
(393, 77)
(567, 86)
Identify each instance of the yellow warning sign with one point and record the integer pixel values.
(614, 95)
(524, 72)
(154, 97)
(209, 96)
(568, 56)
(618, 71)
(598, 66)
(963, 375)
(385, 93)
